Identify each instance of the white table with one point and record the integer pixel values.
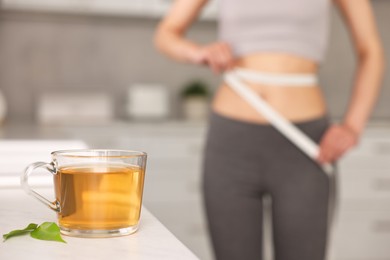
(17, 210)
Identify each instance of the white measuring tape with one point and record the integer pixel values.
(285, 127)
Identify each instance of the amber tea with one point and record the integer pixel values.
(105, 196)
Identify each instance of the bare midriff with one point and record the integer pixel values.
(297, 104)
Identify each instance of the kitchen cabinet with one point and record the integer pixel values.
(138, 8)
(16, 155)
(362, 225)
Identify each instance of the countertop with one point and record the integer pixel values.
(17, 210)
(30, 130)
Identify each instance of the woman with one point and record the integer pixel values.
(247, 158)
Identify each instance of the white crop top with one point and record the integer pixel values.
(297, 27)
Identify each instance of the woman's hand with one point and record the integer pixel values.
(218, 56)
(337, 140)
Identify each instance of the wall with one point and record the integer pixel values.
(337, 72)
(48, 52)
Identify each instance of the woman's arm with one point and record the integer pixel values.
(170, 38)
(360, 20)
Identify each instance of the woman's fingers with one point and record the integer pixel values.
(217, 56)
(227, 56)
(224, 55)
(337, 140)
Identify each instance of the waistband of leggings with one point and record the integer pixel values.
(301, 124)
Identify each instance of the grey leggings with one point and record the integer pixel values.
(245, 161)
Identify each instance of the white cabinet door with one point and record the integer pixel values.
(365, 184)
(361, 235)
(362, 227)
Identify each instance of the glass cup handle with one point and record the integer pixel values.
(24, 181)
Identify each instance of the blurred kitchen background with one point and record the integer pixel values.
(88, 70)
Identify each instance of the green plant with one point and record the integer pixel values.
(195, 88)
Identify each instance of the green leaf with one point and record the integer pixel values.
(48, 231)
(19, 232)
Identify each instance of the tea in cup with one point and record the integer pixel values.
(98, 192)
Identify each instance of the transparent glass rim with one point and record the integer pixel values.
(98, 153)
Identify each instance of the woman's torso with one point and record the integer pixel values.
(282, 36)
(295, 103)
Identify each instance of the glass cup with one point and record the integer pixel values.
(98, 192)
